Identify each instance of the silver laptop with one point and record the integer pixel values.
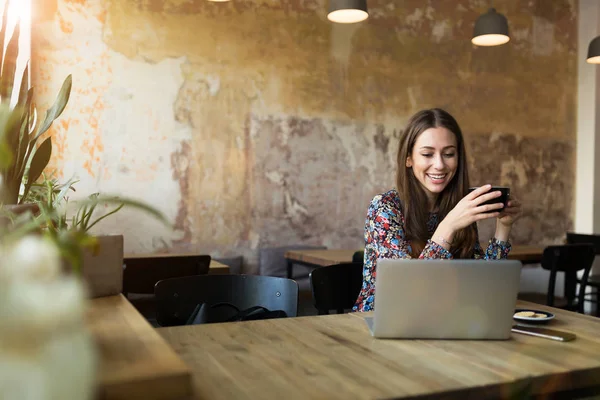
(445, 299)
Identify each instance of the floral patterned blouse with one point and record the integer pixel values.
(385, 238)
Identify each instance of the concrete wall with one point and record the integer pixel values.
(259, 123)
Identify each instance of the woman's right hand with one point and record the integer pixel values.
(470, 210)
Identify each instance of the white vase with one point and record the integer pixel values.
(46, 352)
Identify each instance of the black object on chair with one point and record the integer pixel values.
(336, 287)
(177, 298)
(593, 280)
(570, 259)
(358, 256)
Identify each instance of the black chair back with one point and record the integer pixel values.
(569, 259)
(336, 287)
(176, 298)
(141, 274)
(577, 238)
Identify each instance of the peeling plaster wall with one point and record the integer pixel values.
(258, 123)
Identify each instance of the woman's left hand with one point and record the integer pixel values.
(510, 214)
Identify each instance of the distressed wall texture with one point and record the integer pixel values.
(259, 123)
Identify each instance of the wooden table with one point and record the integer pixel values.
(334, 356)
(322, 258)
(135, 362)
(216, 268)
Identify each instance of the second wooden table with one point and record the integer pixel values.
(323, 258)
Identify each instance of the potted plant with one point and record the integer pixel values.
(25, 150)
(24, 155)
(97, 258)
(46, 350)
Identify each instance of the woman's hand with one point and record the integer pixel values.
(469, 210)
(510, 214)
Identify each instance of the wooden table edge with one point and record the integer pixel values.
(150, 384)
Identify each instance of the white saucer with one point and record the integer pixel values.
(533, 320)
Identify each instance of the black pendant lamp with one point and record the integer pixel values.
(347, 11)
(593, 56)
(491, 29)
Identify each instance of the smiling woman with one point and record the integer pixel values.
(434, 161)
(431, 214)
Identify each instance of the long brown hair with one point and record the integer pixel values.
(413, 195)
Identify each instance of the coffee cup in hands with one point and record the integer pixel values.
(504, 197)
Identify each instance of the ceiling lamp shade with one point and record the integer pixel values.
(593, 56)
(491, 29)
(347, 11)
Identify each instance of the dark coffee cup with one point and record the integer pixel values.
(504, 197)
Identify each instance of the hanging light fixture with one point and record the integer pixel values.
(491, 29)
(347, 11)
(593, 56)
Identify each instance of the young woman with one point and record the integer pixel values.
(430, 215)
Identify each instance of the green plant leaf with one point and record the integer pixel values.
(27, 146)
(87, 206)
(23, 145)
(24, 90)
(38, 163)
(13, 127)
(10, 66)
(5, 155)
(63, 192)
(3, 31)
(9, 128)
(32, 116)
(89, 226)
(59, 105)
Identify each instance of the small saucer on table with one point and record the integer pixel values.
(538, 317)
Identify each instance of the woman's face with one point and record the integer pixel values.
(434, 160)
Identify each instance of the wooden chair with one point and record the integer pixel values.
(593, 280)
(336, 287)
(177, 298)
(570, 259)
(141, 274)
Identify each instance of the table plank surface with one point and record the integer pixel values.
(217, 268)
(525, 254)
(134, 360)
(334, 356)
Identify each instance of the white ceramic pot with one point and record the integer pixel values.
(46, 352)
